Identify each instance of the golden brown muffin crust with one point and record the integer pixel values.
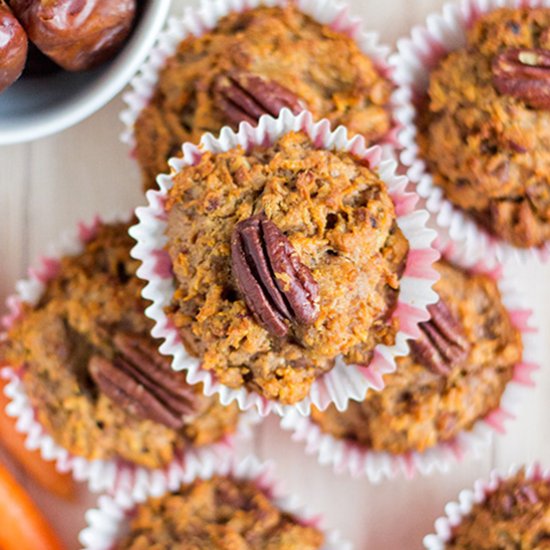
(324, 69)
(490, 152)
(220, 513)
(516, 516)
(419, 408)
(340, 220)
(94, 296)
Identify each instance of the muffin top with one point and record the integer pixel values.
(515, 515)
(485, 129)
(257, 62)
(455, 374)
(219, 513)
(284, 258)
(92, 372)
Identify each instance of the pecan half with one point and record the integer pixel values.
(276, 286)
(442, 344)
(523, 496)
(524, 74)
(245, 96)
(140, 379)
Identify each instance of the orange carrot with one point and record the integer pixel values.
(22, 526)
(41, 471)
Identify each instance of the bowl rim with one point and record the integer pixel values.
(102, 89)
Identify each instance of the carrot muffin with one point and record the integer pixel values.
(219, 513)
(485, 130)
(253, 63)
(284, 258)
(515, 516)
(455, 374)
(93, 374)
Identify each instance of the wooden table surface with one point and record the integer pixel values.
(48, 185)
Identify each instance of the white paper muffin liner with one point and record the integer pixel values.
(455, 512)
(100, 475)
(343, 382)
(107, 522)
(196, 22)
(357, 460)
(417, 56)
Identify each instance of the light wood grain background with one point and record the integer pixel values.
(48, 185)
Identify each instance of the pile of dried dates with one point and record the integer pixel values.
(76, 35)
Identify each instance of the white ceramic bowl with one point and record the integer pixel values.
(36, 107)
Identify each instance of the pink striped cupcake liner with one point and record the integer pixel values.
(356, 460)
(100, 475)
(196, 22)
(107, 522)
(343, 382)
(455, 512)
(417, 56)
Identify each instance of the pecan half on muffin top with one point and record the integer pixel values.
(285, 257)
(218, 513)
(92, 372)
(515, 515)
(485, 128)
(253, 63)
(455, 374)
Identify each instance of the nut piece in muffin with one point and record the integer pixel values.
(515, 515)
(485, 129)
(253, 63)
(93, 374)
(455, 374)
(285, 258)
(218, 513)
